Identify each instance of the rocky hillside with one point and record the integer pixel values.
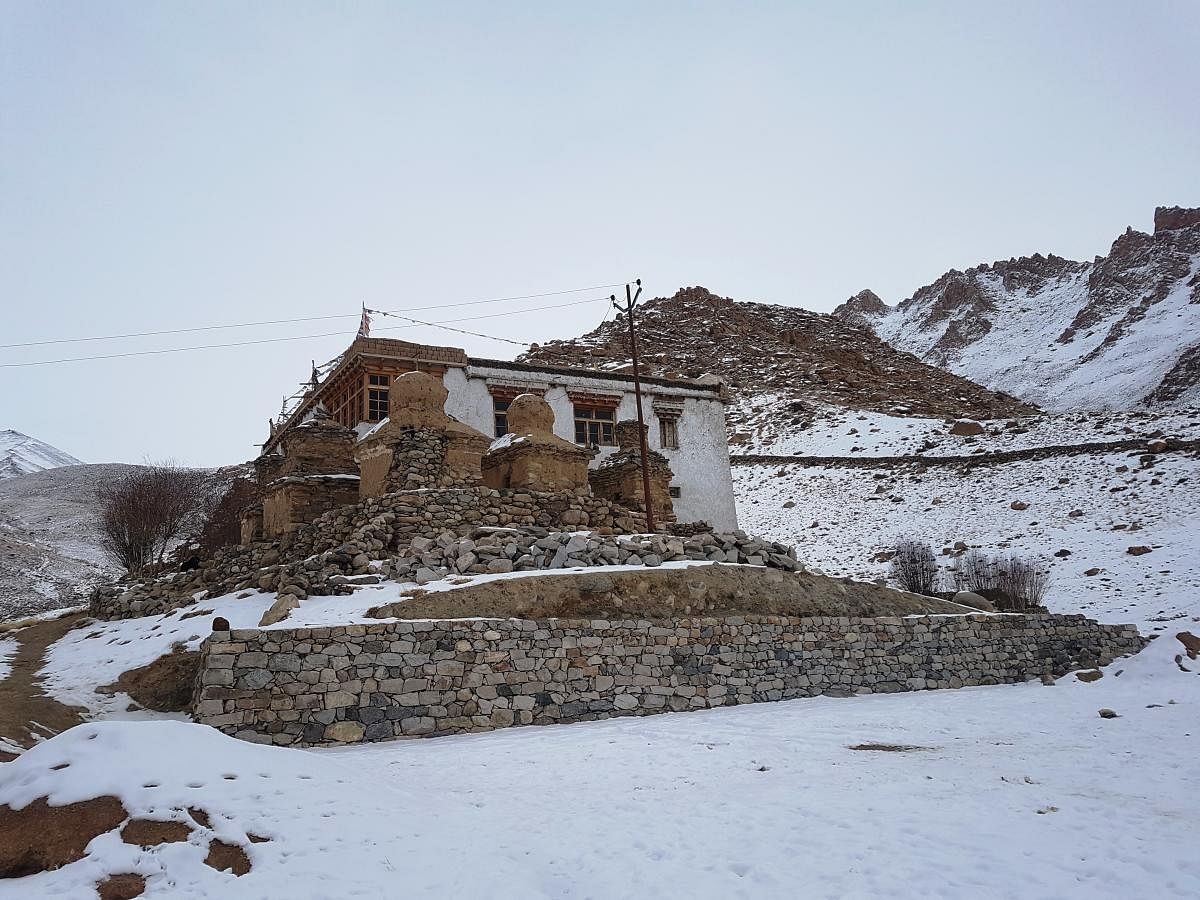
(1120, 332)
(780, 362)
(21, 454)
(50, 552)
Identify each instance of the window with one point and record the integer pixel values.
(500, 411)
(594, 427)
(674, 491)
(668, 432)
(377, 397)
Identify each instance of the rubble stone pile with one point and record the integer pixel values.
(497, 550)
(425, 535)
(347, 539)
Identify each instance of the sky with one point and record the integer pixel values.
(184, 165)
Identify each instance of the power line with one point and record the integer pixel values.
(458, 330)
(136, 334)
(303, 337)
(442, 325)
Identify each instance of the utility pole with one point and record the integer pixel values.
(631, 300)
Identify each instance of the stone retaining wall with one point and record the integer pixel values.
(344, 541)
(375, 682)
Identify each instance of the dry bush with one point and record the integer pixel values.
(914, 567)
(1013, 583)
(148, 510)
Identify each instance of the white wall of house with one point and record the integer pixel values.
(700, 465)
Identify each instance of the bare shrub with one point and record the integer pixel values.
(914, 567)
(1013, 583)
(976, 572)
(1024, 580)
(148, 510)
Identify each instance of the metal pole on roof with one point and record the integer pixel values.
(631, 300)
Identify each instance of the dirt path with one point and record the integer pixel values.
(996, 457)
(27, 713)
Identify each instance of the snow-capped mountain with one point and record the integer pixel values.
(1120, 332)
(22, 455)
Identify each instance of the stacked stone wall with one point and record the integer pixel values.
(346, 540)
(376, 682)
(290, 502)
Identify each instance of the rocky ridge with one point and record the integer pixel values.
(799, 359)
(1120, 332)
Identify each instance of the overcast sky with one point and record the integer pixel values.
(170, 165)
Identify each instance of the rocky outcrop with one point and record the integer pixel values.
(863, 308)
(1172, 218)
(786, 352)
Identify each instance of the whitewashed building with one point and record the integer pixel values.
(685, 417)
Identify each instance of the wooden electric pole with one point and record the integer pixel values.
(631, 300)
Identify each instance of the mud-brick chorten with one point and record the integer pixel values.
(619, 477)
(418, 445)
(532, 456)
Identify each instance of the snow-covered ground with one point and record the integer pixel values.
(836, 431)
(50, 537)
(843, 517)
(1012, 791)
(1006, 791)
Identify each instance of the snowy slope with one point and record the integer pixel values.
(1007, 791)
(842, 516)
(1120, 332)
(50, 552)
(21, 455)
(834, 431)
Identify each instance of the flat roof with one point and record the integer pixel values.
(594, 373)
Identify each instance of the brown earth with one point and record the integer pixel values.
(121, 887)
(40, 837)
(152, 832)
(665, 593)
(164, 685)
(1190, 642)
(24, 706)
(227, 858)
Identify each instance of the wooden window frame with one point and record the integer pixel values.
(500, 415)
(668, 432)
(596, 425)
(378, 390)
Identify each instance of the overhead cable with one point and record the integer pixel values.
(414, 322)
(137, 334)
